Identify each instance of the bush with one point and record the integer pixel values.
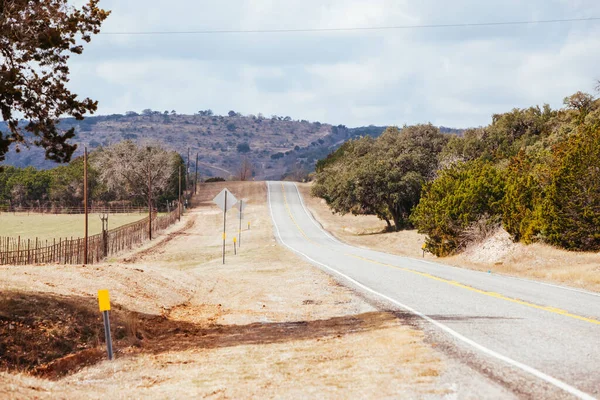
(573, 201)
(522, 207)
(215, 179)
(460, 197)
(243, 148)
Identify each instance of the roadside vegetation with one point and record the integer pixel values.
(534, 172)
(121, 174)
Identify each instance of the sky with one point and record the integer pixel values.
(456, 77)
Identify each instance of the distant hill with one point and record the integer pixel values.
(276, 146)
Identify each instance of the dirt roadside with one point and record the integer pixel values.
(265, 324)
(497, 254)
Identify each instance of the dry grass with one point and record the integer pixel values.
(266, 324)
(364, 230)
(496, 253)
(537, 261)
(54, 226)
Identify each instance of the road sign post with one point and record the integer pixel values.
(225, 200)
(240, 206)
(104, 304)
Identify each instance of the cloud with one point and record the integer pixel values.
(449, 76)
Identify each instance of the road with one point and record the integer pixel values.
(538, 340)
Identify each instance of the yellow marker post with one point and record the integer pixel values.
(104, 305)
(234, 245)
(248, 225)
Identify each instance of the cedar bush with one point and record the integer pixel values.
(462, 195)
(527, 179)
(572, 205)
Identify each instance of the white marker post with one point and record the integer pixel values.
(241, 206)
(104, 303)
(225, 200)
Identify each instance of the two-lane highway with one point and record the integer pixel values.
(537, 339)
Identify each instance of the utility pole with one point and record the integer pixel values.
(179, 199)
(224, 225)
(85, 204)
(149, 198)
(187, 173)
(196, 180)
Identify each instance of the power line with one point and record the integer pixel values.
(375, 28)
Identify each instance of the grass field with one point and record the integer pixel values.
(50, 226)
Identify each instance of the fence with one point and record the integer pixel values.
(94, 209)
(71, 251)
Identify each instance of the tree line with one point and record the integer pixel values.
(124, 172)
(533, 171)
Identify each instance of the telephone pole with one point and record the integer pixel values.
(179, 198)
(196, 180)
(187, 173)
(149, 201)
(85, 204)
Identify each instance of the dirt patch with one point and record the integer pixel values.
(52, 335)
(494, 249)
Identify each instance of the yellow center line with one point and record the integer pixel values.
(293, 219)
(447, 281)
(483, 292)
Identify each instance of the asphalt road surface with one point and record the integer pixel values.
(537, 340)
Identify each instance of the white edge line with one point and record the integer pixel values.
(311, 217)
(314, 221)
(549, 379)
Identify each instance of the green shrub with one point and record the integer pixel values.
(573, 202)
(215, 179)
(461, 196)
(527, 179)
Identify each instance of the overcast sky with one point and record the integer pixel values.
(455, 77)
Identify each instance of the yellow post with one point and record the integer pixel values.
(104, 300)
(104, 305)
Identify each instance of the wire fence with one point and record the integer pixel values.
(17, 251)
(95, 207)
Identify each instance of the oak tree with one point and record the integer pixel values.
(37, 39)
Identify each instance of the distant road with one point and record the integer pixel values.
(536, 339)
(214, 167)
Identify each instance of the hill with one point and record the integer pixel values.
(276, 146)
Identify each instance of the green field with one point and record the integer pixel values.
(51, 226)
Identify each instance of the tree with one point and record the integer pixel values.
(579, 101)
(36, 41)
(243, 148)
(232, 113)
(382, 176)
(572, 206)
(134, 171)
(245, 170)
